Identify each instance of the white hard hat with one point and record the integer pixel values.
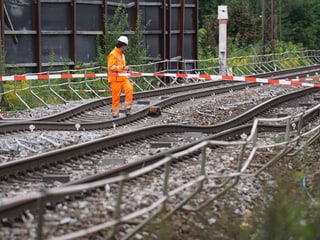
(123, 39)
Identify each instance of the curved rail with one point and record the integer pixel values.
(110, 141)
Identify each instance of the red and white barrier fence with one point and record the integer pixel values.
(294, 82)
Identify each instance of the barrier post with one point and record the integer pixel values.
(3, 102)
(223, 20)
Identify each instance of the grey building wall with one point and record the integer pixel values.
(32, 30)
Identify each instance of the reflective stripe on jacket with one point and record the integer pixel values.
(116, 63)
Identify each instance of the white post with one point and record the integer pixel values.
(223, 20)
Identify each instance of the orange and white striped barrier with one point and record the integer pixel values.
(87, 90)
(293, 82)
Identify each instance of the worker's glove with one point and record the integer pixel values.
(127, 68)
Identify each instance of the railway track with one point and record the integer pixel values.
(206, 111)
(68, 120)
(229, 130)
(94, 115)
(102, 145)
(13, 167)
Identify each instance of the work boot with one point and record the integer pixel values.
(115, 115)
(128, 111)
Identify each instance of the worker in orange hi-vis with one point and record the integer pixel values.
(117, 64)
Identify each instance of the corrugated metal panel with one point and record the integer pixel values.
(36, 31)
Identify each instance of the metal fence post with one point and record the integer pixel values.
(3, 101)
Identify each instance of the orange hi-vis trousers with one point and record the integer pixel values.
(116, 88)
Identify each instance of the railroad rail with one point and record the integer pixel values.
(232, 131)
(46, 123)
(55, 122)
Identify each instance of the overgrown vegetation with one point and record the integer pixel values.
(115, 27)
(296, 26)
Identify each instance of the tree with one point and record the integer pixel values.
(297, 22)
(115, 27)
(206, 9)
(242, 28)
(300, 22)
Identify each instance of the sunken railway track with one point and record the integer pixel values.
(161, 98)
(229, 130)
(222, 131)
(67, 120)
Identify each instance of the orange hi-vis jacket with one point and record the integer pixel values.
(116, 64)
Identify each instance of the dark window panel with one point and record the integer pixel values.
(174, 45)
(55, 16)
(175, 19)
(152, 1)
(188, 47)
(153, 41)
(22, 51)
(86, 48)
(150, 15)
(191, 22)
(57, 45)
(88, 17)
(20, 14)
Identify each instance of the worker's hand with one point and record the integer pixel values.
(127, 68)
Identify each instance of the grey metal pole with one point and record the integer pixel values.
(1, 57)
